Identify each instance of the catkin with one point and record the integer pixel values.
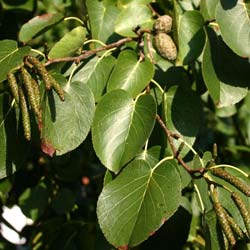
(13, 86)
(163, 24)
(27, 80)
(244, 188)
(222, 217)
(58, 89)
(243, 210)
(41, 71)
(235, 227)
(25, 114)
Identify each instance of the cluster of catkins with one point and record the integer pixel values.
(162, 41)
(26, 93)
(231, 230)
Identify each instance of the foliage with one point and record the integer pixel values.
(121, 129)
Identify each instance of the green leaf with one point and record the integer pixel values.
(234, 23)
(208, 8)
(130, 73)
(183, 112)
(66, 124)
(33, 201)
(225, 74)
(10, 56)
(102, 19)
(191, 36)
(121, 127)
(38, 25)
(213, 234)
(135, 204)
(131, 17)
(69, 44)
(96, 74)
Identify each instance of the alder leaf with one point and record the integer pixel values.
(37, 25)
(130, 73)
(69, 44)
(234, 23)
(96, 74)
(121, 126)
(66, 124)
(134, 205)
(10, 56)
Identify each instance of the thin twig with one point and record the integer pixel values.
(89, 53)
(170, 137)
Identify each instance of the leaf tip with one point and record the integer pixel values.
(47, 148)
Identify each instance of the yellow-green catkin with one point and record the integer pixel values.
(42, 71)
(243, 210)
(222, 217)
(238, 183)
(235, 227)
(58, 89)
(37, 98)
(25, 114)
(27, 81)
(13, 86)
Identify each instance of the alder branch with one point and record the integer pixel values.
(171, 136)
(89, 53)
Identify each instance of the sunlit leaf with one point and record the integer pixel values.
(121, 126)
(135, 204)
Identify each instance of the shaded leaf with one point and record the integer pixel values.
(130, 73)
(131, 17)
(234, 23)
(69, 44)
(125, 3)
(121, 126)
(102, 18)
(96, 74)
(66, 124)
(32, 206)
(10, 56)
(135, 204)
(38, 25)
(225, 74)
(183, 112)
(191, 36)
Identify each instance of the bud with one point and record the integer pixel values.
(165, 46)
(163, 24)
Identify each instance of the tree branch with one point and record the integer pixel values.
(89, 53)
(170, 137)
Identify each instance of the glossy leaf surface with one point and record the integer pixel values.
(135, 204)
(130, 73)
(121, 126)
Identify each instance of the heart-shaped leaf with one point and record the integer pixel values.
(96, 74)
(38, 25)
(121, 126)
(135, 204)
(69, 44)
(130, 73)
(234, 22)
(10, 56)
(66, 124)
